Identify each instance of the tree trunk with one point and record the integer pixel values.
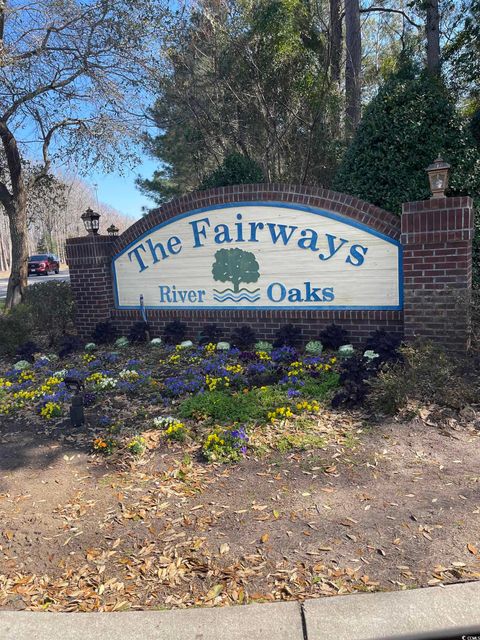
(353, 87)
(335, 40)
(17, 282)
(15, 203)
(4, 245)
(432, 29)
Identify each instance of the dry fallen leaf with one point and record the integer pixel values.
(265, 538)
(224, 548)
(472, 549)
(214, 592)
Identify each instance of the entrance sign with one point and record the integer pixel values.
(260, 255)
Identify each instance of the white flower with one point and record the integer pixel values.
(105, 384)
(128, 374)
(91, 346)
(186, 344)
(163, 421)
(370, 354)
(156, 342)
(223, 346)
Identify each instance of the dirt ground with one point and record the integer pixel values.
(393, 506)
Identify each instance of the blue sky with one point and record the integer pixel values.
(120, 191)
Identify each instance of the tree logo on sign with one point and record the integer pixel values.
(236, 266)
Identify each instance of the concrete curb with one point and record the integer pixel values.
(421, 613)
(275, 621)
(434, 612)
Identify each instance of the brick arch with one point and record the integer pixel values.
(349, 207)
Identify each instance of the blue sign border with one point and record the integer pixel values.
(267, 203)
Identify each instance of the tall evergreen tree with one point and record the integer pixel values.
(409, 122)
(253, 79)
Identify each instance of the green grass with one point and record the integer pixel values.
(301, 441)
(224, 406)
(320, 389)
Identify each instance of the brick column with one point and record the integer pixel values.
(89, 261)
(437, 262)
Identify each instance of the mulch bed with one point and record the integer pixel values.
(393, 505)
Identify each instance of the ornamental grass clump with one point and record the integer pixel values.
(424, 374)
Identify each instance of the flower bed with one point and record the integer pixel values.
(212, 395)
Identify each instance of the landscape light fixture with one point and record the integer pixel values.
(91, 220)
(438, 177)
(112, 230)
(77, 414)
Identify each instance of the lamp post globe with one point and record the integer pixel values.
(438, 173)
(91, 220)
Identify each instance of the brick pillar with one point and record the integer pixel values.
(89, 261)
(437, 262)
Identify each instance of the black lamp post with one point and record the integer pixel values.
(77, 415)
(112, 230)
(91, 220)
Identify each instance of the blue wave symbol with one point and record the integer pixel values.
(229, 290)
(236, 297)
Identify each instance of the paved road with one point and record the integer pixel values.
(63, 276)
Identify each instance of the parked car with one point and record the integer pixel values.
(43, 264)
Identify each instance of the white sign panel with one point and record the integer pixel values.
(259, 256)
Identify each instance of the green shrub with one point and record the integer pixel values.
(407, 124)
(426, 374)
(235, 169)
(52, 308)
(16, 328)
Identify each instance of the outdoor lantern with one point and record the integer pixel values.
(112, 230)
(438, 177)
(77, 415)
(91, 220)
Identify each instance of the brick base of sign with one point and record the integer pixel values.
(358, 324)
(436, 236)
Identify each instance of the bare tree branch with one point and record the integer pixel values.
(385, 10)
